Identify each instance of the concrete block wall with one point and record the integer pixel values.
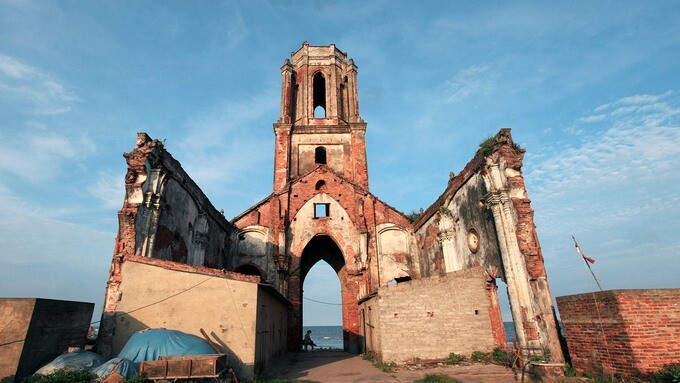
(631, 332)
(431, 317)
(33, 331)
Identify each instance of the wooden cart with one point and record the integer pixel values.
(213, 366)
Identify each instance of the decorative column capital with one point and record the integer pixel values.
(495, 198)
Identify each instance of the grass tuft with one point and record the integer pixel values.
(61, 376)
(455, 358)
(437, 378)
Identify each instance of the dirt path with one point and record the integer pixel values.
(341, 367)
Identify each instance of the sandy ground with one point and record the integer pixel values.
(344, 367)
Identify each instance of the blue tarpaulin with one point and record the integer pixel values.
(125, 367)
(74, 360)
(150, 344)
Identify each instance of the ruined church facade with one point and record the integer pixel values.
(321, 209)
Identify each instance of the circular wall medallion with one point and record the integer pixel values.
(473, 240)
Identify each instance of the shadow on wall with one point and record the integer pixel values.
(232, 359)
(597, 336)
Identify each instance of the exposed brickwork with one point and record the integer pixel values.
(164, 215)
(169, 265)
(365, 212)
(342, 178)
(632, 332)
(320, 162)
(495, 316)
(489, 196)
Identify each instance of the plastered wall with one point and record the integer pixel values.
(229, 310)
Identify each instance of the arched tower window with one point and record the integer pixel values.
(319, 84)
(320, 155)
(294, 102)
(320, 185)
(343, 100)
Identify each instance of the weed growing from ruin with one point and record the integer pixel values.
(486, 146)
(670, 373)
(385, 367)
(367, 356)
(61, 376)
(617, 379)
(570, 371)
(436, 378)
(455, 358)
(413, 216)
(499, 356)
(480, 356)
(445, 211)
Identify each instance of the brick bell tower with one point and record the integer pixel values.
(319, 122)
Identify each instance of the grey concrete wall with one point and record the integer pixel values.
(38, 330)
(431, 317)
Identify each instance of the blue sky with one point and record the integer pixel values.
(590, 89)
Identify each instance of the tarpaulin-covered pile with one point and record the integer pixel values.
(75, 360)
(150, 344)
(143, 346)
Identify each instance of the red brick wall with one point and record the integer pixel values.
(632, 332)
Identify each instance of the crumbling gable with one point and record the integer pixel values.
(484, 218)
(321, 209)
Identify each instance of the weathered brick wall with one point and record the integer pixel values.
(632, 332)
(431, 317)
(354, 212)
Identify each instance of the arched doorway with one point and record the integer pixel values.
(322, 248)
(322, 312)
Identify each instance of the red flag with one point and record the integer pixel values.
(578, 249)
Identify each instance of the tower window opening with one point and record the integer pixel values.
(321, 210)
(319, 84)
(320, 155)
(294, 102)
(321, 185)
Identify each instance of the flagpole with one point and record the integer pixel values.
(578, 250)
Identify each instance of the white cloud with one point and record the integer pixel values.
(109, 188)
(616, 191)
(37, 155)
(236, 29)
(469, 81)
(227, 142)
(26, 85)
(43, 256)
(640, 99)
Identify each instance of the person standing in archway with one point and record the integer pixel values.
(308, 340)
